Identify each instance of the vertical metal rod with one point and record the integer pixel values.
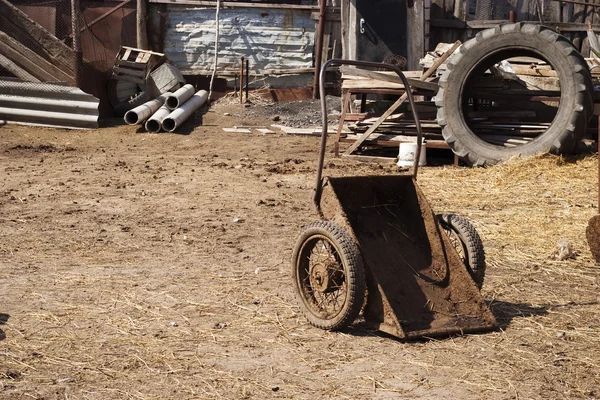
(247, 80)
(599, 163)
(242, 81)
(319, 47)
(78, 61)
(512, 17)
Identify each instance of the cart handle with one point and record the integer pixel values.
(319, 187)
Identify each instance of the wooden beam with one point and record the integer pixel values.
(371, 158)
(31, 62)
(329, 15)
(345, 109)
(415, 30)
(34, 36)
(16, 70)
(140, 18)
(389, 78)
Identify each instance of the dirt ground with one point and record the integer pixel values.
(156, 266)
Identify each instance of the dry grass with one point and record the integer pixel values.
(154, 292)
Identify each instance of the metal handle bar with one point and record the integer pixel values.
(317, 198)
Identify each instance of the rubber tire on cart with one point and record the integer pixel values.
(493, 45)
(468, 244)
(339, 271)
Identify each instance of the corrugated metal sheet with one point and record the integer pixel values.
(274, 40)
(47, 104)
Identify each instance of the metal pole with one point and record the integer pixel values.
(247, 80)
(142, 37)
(242, 81)
(319, 48)
(78, 61)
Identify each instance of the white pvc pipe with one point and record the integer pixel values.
(154, 123)
(141, 113)
(177, 117)
(178, 98)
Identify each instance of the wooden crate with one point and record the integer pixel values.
(134, 65)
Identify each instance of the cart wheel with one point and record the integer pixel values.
(328, 276)
(467, 243)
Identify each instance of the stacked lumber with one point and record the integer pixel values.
(30, 52)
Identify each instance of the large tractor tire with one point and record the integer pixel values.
(483, 53)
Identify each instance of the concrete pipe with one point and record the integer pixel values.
(154, 123)
(141, 113)
(177, 99)
(177, 117)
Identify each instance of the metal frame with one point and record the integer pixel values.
(369, 64)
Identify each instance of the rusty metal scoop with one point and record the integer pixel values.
(593, 229)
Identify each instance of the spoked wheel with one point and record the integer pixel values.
(328, 276)
(466, 241)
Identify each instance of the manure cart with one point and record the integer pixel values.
(378, 239)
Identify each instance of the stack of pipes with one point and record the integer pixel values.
(168, 111)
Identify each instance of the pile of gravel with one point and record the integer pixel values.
(295, 114)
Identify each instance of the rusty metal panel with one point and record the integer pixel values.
(274, 40)
(102, 41)
(47, 105)
(43, 15)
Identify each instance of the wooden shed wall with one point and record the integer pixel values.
(452, 20)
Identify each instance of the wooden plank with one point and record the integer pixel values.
(393, 78)
(351, 117)
(370, 158)
(541, 72)
(346, 69)
(35, 37)
(329, 16)
(357, 84)
(394, 141)
(415, 27)
(338, 134)
(30, 61)
(16, 70)
(401, 100)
